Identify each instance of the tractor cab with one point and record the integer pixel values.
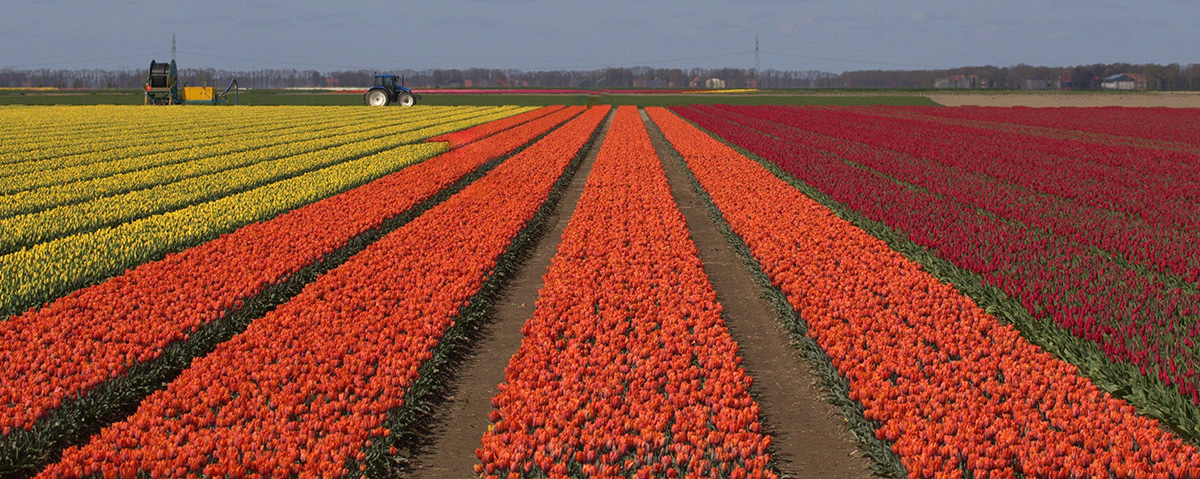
(388, 81)
(385, 91)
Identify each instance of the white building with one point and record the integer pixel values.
(1124, 81)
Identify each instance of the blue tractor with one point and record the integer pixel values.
(385, 91)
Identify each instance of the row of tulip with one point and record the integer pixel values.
(127, 159)
(1143, 325)
(1170, 251)
(47, 270)
(1148, 185)
(24, 231)
(300, 142)
(957, 393)
(459, 138)
(140, 154)
(1066, 130)
(626, 368)
(73, 346)
(43, 132)
(308, 387)
(1167, 127)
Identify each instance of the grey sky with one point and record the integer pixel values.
(575, 34)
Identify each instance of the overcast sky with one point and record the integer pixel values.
(826, 35)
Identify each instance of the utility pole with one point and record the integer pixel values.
(754, 81)
(756, 56)
(173, 47)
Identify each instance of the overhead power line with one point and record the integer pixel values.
(88, 60)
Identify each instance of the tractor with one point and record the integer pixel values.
(386, 91)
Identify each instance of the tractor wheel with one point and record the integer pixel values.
(406, 99)
(377, 98)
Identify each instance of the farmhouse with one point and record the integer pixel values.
(711, 83)
(1124, 81)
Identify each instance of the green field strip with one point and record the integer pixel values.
(30, 201)
(24, 231)
(46, 143)
(96, 164)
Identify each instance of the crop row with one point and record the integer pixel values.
(1144, 325)
(216, 159)
(72, 346)
(97, 155)
(42, 133)
(955, 391)
(1169, 126)
(626, 368)
(459, 138)
(1144, 190)
(307, 388)
(47, 270)
(30, 229)
(957, 178)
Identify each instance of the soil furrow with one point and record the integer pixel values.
(460, 422)
(810, 438)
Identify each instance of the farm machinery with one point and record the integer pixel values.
(163, 88)
(385, 91)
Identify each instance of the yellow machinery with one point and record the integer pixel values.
(198, 93)
(162, 88)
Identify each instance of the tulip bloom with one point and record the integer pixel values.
(952, 388)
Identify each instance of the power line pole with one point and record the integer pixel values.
(756, 56)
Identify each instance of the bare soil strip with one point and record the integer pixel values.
(810, 438)
(461, 420)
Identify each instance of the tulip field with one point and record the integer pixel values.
(262, 292)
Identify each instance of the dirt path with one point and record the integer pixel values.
(810, 438)
(461, 421)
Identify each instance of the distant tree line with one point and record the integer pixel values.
(637, 77)
(1083, 77)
